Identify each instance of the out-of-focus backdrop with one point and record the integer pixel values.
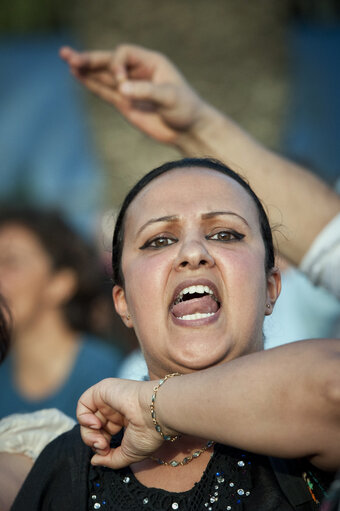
(272, 66)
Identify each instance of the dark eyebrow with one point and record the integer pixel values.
(169, 218)
(212, 214)
(175, 218)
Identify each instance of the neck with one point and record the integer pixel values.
(179, 478)
(182, 448)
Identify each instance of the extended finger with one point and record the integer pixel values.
(88, 59)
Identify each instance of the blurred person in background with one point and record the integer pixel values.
(51, 280)
(13, 468)
(22, 436)
(4, 329)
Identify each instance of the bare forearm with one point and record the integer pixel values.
(297, 201)
(282, 402)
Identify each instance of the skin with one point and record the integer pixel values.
(291, 393)
(131, 77)
(190, 250)
(280, 402)
(133, 72)
(25, 273)
(13, 471)
(152, 275)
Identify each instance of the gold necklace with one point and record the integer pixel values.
(186, 460)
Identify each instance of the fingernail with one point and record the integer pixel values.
(96, 445)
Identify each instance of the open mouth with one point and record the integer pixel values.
(195, 302)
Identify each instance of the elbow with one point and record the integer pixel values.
(332, 394)
(332, 378)
(328, 450)
(325, 394)
(330, 386)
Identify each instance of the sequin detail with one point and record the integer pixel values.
(225, 485)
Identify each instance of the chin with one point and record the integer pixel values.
(194, 360)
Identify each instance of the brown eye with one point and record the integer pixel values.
(226, 236)
(160, 242)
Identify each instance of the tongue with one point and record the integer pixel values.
(203, 305)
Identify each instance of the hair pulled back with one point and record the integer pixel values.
(208, 163)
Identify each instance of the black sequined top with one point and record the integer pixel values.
(233, 480)
(62, 479)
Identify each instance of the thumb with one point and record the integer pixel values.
(116, 458)
(162, 94)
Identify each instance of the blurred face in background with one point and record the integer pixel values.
(25, 273)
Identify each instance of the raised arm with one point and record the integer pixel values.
(143, 85)
(282, 402)
(151, 93)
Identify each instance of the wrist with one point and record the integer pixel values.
(200, 136)
(165, 435)
(144, 399)
(152, 408)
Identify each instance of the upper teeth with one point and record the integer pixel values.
(194, 289)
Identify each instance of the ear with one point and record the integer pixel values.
(121, 306)
(62, 287)
(273, 289)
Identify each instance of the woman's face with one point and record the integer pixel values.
(25, 273)
(193, 264)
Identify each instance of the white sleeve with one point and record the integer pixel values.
(29, 433)
(321, 263)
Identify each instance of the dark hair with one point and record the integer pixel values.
(209, 163)
(66, 249)
(5, 329)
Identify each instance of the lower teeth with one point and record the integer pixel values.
(198, 315)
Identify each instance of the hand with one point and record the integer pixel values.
(105, 408)
(143, 85)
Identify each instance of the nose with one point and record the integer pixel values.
(193, 254)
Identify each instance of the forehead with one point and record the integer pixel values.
(183, 191)
(15, 236)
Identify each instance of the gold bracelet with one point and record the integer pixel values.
(169, 438)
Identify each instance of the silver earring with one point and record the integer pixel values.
(268, 305)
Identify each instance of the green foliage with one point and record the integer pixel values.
(26, 16)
